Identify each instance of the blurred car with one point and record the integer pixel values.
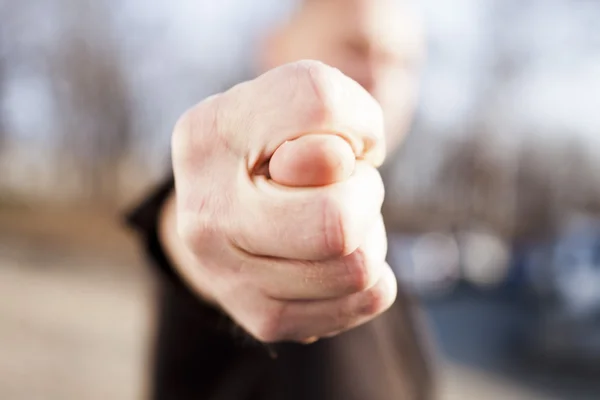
(528, 311)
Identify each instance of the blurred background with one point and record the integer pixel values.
(492, 201)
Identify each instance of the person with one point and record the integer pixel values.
(269, 234)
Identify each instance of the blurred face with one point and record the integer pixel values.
(378, 43)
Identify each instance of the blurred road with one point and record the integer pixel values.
(75, 310)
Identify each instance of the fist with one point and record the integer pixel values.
(278, 203)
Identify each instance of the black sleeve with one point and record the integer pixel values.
(144, 220)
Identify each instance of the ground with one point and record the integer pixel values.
(76, 314)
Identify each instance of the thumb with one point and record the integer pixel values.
(312, 160)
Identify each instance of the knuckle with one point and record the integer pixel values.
(360, 275)
(342, 233)
(374, 186)
(346, 215)
(334, 220)
(268, 327)
(375, 300)
(319, 80)
(193, 130)
(347, 211)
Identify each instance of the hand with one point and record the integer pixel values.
(277, 214)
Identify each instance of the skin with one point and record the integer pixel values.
(276, 217)
(378, 43)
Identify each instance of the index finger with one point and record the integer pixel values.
(297, 99)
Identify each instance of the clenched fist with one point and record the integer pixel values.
(276, 218)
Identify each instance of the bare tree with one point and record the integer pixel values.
(94, 102)
(5, 14)
(3, 127)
